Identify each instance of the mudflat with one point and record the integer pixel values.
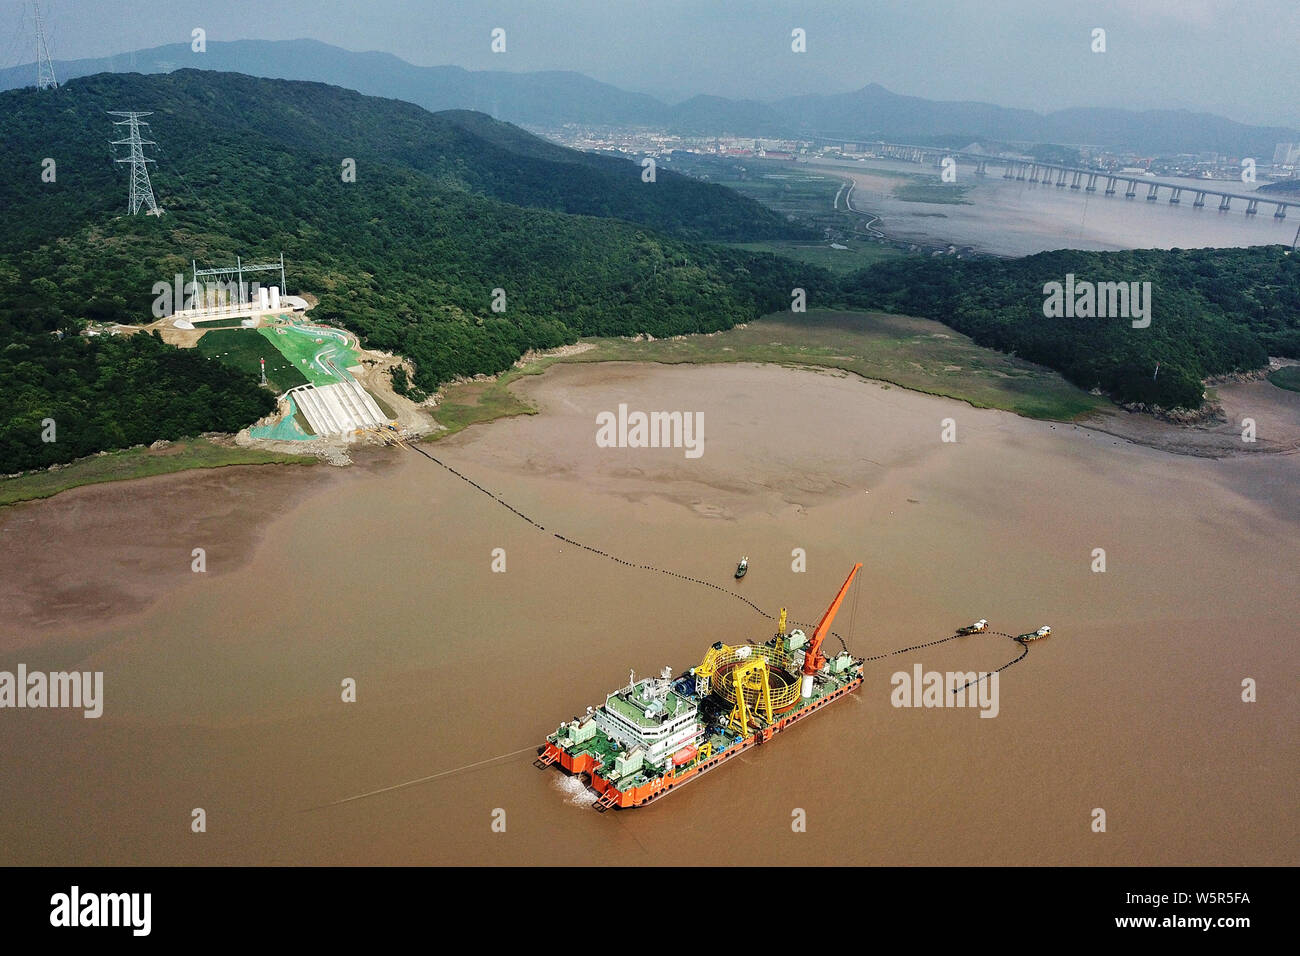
(222, 690)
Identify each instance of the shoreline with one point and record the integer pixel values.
(486, 399)
(207, 452)
(122, 521)
(142, 533)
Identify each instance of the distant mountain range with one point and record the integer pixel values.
(555, 98)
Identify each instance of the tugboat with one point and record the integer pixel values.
(1035, 635)
(742, 567)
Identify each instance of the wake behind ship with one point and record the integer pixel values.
(659, 733)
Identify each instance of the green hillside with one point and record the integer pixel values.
(443, 210)
(1213, 311)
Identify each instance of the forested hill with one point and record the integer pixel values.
(1213, 311)
(443, 210)
(195, 109)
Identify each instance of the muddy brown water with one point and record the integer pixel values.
(223, 689)
(1014, 218)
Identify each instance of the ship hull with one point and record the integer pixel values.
(609, 795)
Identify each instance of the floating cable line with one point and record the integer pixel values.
(645, 567)
(708, 584)
(419, 780)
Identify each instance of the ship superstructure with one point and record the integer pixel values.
(656, 734)
(650, 717)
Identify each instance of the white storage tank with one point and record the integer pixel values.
(275, 298)
(263, 298)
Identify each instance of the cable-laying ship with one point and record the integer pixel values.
(659, 733)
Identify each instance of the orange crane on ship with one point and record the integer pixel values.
(813, 659)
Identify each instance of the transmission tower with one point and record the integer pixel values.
(44, 65)
(141, 188)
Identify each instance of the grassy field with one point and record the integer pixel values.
(791, 191)
(137, 463)
(302, 344)
(912, 353)
(1287, 377)
(859, 254)
(471, 403)
(242, 348)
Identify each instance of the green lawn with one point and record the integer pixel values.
(859, 255)
(299, 345)
(231, 323)
(242, 348)
(137, 463)
(470, 403)
(790, 191)
(1288, 377)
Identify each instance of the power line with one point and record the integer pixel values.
(175, 169)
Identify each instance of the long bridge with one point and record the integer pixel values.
(1088, 180)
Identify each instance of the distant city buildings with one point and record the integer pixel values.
(1287, 154)
(639, 141)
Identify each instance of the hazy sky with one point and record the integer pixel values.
(1239, 58)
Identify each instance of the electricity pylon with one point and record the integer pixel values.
(44, 65)
(141, 188)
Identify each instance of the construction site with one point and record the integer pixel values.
(331, 390)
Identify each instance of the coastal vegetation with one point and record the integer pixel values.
(129, 463)
(1287, 377)
(917, 354)
(64, 399)
(1214, 311)
(855, 254)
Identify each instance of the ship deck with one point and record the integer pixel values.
(603, 751)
